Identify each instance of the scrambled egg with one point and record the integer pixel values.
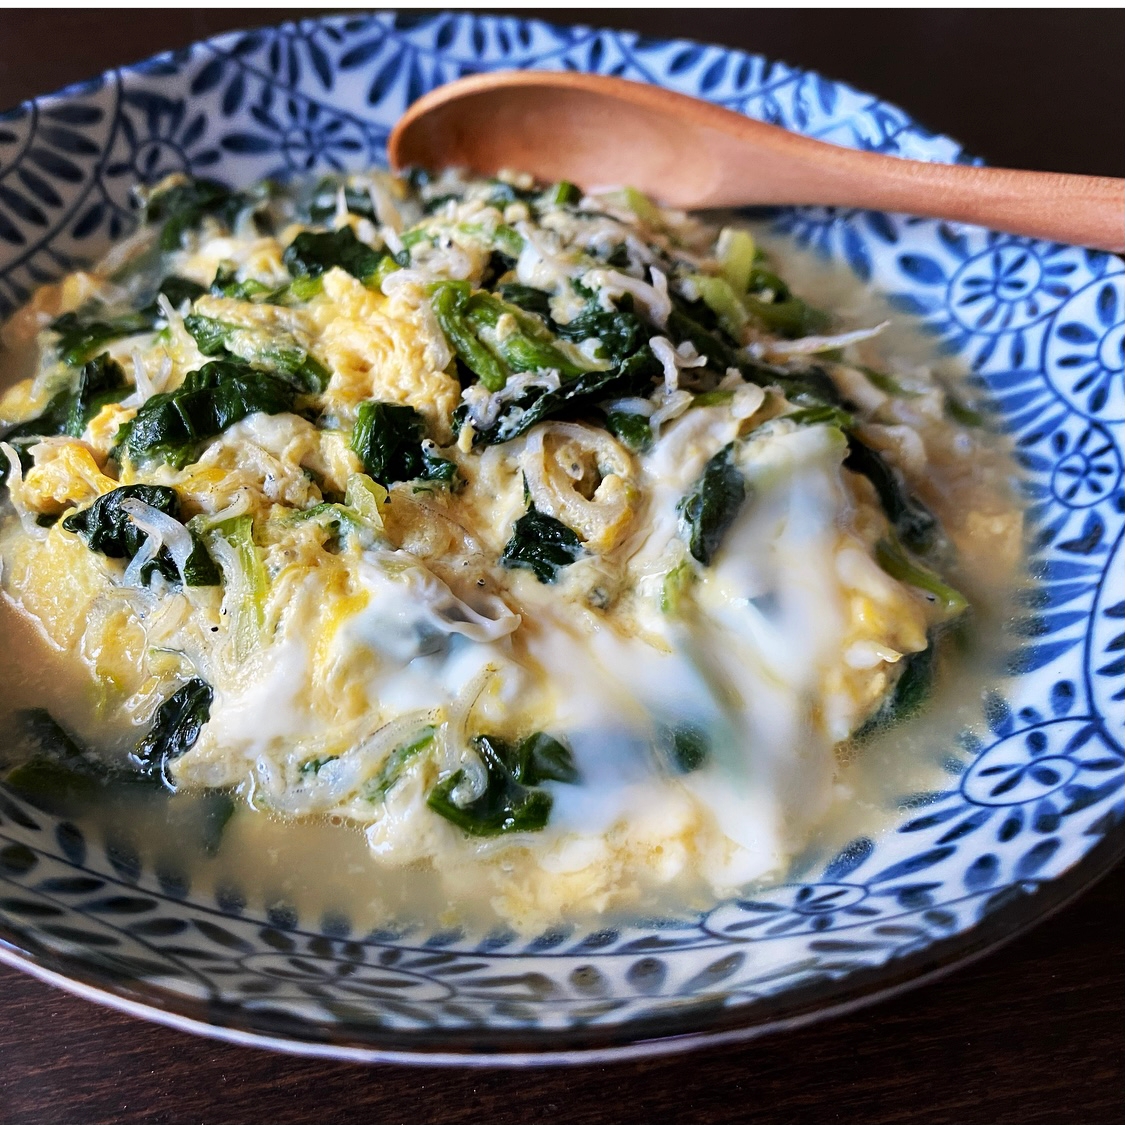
(702, 612)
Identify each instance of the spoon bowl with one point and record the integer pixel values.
(599, 131)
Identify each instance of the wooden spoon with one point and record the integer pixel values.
(597, 131)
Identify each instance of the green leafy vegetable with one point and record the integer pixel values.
(677, 583)
(894, 560)
(183, 206)
(541, 544)
(688, 323)
(913, 522)
(396, 763)
(962, 414)
(785, 313)
(634, 376)
(525, 348)
(169, 426)
(226, 284)
(176, 726)
(686, 748)
(280, 355)
(632, 430)
(450, 300)
(101, 381)
(792, 317)
(502, 193)
(526, 297)
(720, 297)
(737, 254)
(712, 505)
(511, 801)
(216, 811)
(539, 758)
(50, 770)
(356, 200)
(822, 416)
(313, 253)
(911, 690)
(108, 530)
(562, 194)
(80, 340)
(247, 583)
(389, 440)
(178, 290)
(620, 330)
(888, 384)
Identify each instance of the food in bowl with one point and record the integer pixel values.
(547, 539)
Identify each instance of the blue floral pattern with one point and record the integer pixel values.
(1029, 791)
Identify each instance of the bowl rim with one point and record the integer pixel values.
(639, 1037)
(642, 1037)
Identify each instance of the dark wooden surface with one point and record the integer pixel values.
(1032, 1034)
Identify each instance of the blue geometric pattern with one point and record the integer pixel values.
(1029, 791)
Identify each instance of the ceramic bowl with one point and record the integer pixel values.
(1029, 808)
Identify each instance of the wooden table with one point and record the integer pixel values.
(1033, 1033)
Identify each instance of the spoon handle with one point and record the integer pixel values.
(1080, 210)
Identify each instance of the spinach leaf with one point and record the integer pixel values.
(501, 194)
(712, 505)
(109, 530)
(101, 381)
(450, 300)
(539, 758)
(50, 770)
(562, 194)
(176, 726)
(438, 469)
(356, 200)
(822, 416)
(527, 298)
(912, 688)
(962, 414)
(523, 349)
(541, 544)
(913, 522)
(178, 290)
(183, 207)
(313, 253)
(226, 284)
(389, 440)
(23, 435)
(499, 264)
(786, 314)
(685, 748)
(281, 356)
(894, 560)
(169, 426)
(632, 430)
(696, 324)
(80, 340)
(620, 330)
(216, 810)
(510, 802)
(634, 376)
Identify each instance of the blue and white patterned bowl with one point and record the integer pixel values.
(1031, 805)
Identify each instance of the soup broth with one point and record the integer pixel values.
(262, 811)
